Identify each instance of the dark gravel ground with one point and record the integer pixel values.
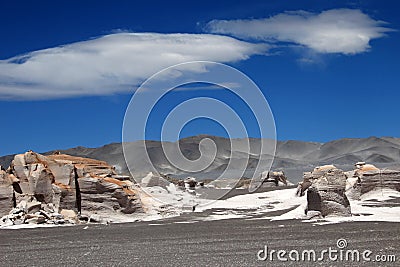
(233, 242)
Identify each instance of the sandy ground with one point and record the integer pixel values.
(227, 232)
(174, 242)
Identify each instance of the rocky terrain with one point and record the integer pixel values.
(329, 189)
(57, 188)
(293, 157)
(60, 188)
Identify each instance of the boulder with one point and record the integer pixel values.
(266, 179)
(273, 178)
(69, 214)
(305, 184)
(33, 206)
(326, 191)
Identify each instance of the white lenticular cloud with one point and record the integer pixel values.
(346, 31)
(114, 63)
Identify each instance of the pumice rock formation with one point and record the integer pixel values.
(55, 187)
(369, 178)
(271, 179)
(325, 187)
(329, 188)
(274, 178)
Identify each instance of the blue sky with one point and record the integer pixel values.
(329, 69)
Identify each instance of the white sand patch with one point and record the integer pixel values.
(269, 201)
(381, 194)
(297, 213)
(170, 202)
(185, 222)
(216, 217)
(31, 226)
(278, 200)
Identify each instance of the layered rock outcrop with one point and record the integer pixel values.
(326, 191)
(328, 188)
(65, 182)
(371, 178)
(380, 179)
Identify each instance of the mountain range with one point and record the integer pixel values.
(293, 157)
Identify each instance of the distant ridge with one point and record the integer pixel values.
(293, 157)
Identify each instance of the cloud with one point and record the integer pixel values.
(114, 63)
(220, 86)
(346, 31)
